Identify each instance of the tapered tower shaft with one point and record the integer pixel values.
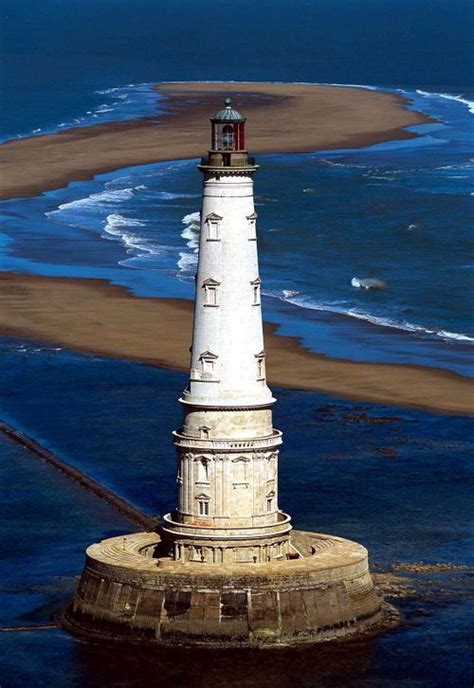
(227, 449)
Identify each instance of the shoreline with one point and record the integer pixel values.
(286, 118)
(94, 316)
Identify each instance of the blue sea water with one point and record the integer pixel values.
(396, 480)
(400, 212)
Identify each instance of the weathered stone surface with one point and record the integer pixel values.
(126, 594)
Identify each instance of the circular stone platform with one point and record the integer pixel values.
(325, 592)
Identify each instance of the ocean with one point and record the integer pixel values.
(399, 212)
(397, 480)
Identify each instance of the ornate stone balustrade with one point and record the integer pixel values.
(228, 445)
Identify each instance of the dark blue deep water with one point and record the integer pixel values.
(58, 52)
(396, 480)
(402, 212)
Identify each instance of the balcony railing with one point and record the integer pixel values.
(269, 441)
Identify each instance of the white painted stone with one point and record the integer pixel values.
(228, 335)
(227, 447)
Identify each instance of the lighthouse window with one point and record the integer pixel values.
(260, 365)
(256, 291)
(228, 137)
(252, 225)
(203, 507)
(269, 504)
(204, 432)
(213, 230)
(207, 361)
(210, 292)
(203, 470)
(212, 223)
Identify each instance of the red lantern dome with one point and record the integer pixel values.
(228, 129)
(227, 140)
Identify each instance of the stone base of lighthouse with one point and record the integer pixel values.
(323, 592)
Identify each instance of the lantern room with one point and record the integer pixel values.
(228, 129)
(227, 141)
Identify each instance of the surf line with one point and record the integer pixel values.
(121, 505)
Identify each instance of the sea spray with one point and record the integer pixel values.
(188, 261)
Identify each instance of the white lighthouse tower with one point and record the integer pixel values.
(225, 568)
(227, 448)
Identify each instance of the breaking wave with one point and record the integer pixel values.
(91, 202)
(116, 226)
(298, 299)
(188, 261)
(448, 96)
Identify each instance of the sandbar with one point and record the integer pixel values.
(282, 118)
(97, 317)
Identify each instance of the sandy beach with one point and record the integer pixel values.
(95, 316)
(285, 118)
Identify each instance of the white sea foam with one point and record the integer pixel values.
(448, 96)
(116, 220)
(368, 283)
(469, 165)
(170, 196)
(187, 261)
(117, 226)
(93, 201)
(298, 299)
(192, 221)
(106, 91)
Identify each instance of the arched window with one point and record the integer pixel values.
(203, 470)
(204, 432)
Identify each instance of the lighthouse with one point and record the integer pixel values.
(225, 568)
(227, 448)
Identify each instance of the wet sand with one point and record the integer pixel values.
(95, 316)
(283, 117)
